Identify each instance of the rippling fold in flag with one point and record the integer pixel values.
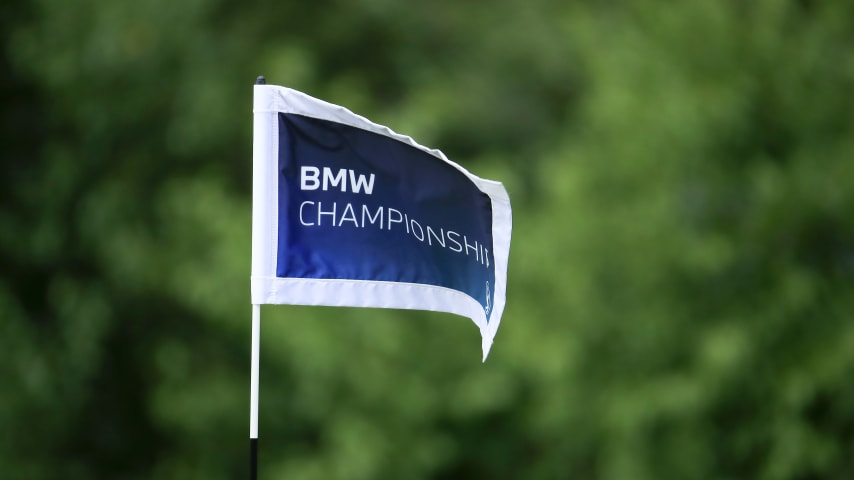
(347, 212)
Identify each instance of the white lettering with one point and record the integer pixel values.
(320, 212)
(472, 247)
(459, 248)
(440, 239)
(309, 178)
(351, 217)
(357, 183)
(372, 218)
(312, 213)
(399, 218)
(334, 179)
(416, 224)
(301, 206)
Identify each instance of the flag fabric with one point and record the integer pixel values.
(347, 212)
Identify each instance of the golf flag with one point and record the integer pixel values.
(347, 212)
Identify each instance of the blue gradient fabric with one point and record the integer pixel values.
(348, 213)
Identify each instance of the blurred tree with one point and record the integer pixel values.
(680, 281)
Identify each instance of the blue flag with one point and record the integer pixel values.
(348, 213)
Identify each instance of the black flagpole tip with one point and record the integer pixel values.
(260, 80)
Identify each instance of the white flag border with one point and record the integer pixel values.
(269, 101)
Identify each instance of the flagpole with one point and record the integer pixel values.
(253, 394)
(256, 328)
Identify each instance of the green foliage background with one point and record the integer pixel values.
(681, 275)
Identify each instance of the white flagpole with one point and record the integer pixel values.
(256, 308)
(253, 393)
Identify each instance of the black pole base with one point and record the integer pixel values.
(253, 459)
